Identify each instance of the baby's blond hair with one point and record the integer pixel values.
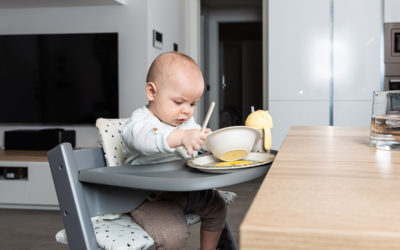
(166, 61)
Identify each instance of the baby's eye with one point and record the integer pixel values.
(178, 102)
(193, 104)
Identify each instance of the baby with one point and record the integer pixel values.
(165, 130)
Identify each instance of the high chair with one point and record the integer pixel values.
(94, 198)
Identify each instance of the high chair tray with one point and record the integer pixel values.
(171, 176)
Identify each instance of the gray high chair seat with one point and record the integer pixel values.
(86, 188)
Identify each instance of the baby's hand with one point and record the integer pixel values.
(193, 139)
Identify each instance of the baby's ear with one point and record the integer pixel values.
(151, 90)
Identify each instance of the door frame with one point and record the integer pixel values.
(194, 46)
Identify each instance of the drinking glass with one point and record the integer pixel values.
(385, 120)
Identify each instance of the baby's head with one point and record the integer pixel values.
(174, 87)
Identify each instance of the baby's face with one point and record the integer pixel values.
(177, 96)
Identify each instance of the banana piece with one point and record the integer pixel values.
(267, 138)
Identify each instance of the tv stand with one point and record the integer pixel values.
(33, 191)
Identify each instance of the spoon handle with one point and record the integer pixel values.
(206, 119)
(208, 115)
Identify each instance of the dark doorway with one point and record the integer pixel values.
(240, 67)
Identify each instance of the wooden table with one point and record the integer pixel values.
(23, 155)
(327, 189)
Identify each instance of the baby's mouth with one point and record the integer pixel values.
(180, 121)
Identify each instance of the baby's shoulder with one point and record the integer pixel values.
(139, 113)
(142, 116)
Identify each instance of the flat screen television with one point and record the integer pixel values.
(58, 78)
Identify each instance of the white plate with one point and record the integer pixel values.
(207, 163)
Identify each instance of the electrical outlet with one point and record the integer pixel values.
(157, 39)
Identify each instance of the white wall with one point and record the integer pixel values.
(166, 17)
(358, 60)
(133, 21)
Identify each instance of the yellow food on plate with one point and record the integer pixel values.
(233, 163)
(234, 155)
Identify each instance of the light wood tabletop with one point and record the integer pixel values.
(23, 155)
(327, 189)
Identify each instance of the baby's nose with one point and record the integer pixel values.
(186, 109)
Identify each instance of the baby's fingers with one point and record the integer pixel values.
(203, 136)
(189, 150)
(197, 147)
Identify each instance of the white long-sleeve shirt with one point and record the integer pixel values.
(145, 138)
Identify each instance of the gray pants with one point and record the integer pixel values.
(162, 215)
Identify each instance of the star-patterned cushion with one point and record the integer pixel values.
(111, 141)
(121, 233)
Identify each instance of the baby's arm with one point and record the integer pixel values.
(146, 138)
(190, 139)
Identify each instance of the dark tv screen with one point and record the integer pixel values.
(58, 78)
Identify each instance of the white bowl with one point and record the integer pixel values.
(232, 143)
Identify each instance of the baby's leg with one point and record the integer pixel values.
(165, 222)
(212, 209)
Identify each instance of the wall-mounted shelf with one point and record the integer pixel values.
(11, 4)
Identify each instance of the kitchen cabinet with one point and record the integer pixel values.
(392, 13)
(358, 60)
(313, 44)
(287, 113)
(35, 190)
(298, 50)
(352, 113)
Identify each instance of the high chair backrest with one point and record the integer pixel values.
(111, 141)
(80, 201)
